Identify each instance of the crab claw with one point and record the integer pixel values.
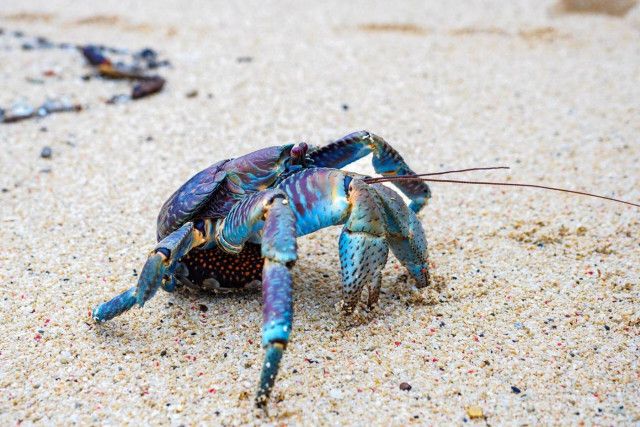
(152, 276)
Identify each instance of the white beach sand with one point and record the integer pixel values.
(539, 291)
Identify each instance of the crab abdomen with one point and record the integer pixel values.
(229, 270)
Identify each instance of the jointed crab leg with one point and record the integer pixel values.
(269, 212)
(159, 268)
(386, 161)
(116, 306)
(363, 248)
(405, 235)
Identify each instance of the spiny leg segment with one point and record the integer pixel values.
(378, 219)
(404, 234)
(363, 248)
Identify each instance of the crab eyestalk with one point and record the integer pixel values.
(274, 352)
(298, 153)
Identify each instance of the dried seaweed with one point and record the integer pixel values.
(107, 62)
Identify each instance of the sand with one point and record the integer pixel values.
(535, 319)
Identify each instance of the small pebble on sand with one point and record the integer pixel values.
(46, 152)
(405, 386)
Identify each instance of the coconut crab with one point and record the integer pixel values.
(237, 221)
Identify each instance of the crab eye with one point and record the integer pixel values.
(299, 152)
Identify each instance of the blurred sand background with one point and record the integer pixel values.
(536, 320)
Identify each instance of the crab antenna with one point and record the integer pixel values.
(505, 184)
(383, 178)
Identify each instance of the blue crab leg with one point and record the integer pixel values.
(267, 214)
(116, 306)
(363, 247)
(159, 268)
(386, 161)
(405, 235)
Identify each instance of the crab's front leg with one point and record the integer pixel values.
(386, 161)
(159, 268)
(267, 215)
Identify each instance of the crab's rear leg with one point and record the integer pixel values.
(159, 268)
(386, 161)
(269, 211)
